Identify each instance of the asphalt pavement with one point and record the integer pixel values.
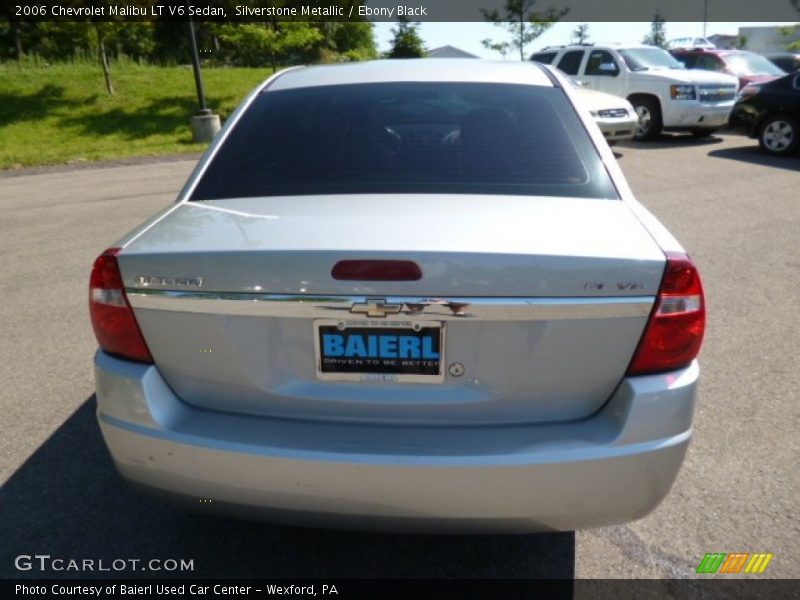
(735, 210)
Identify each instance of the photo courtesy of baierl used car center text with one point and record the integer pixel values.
(366, 299)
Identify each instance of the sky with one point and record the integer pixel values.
(468, 36)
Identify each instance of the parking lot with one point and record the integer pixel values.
(736, 211)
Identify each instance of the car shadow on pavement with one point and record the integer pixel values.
(67, 501)
(754, 155)
(667, 141)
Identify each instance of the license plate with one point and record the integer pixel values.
(377, 350)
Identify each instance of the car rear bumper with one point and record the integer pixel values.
(613, 467)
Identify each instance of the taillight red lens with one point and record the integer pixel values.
(674, 333)
(114, 324)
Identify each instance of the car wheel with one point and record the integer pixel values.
(649, 113)
(779, 135)
(708, 131)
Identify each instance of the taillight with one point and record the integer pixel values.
(674, 333)
(114, 324)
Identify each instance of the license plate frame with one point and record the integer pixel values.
(383, 371)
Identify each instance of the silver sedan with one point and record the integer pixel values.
(412, 294)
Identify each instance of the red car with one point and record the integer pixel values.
(747, 66)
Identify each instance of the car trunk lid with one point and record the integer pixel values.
(542, 301)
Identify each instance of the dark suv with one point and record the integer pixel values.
(747, 66)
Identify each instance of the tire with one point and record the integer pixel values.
(650, 124)
(707, 132)
(779, 135)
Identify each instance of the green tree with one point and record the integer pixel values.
(792, 45)
(501, 47)
(252, 44)
(133, 39)
(101, 31)
(658, 32)
(60, 40)
(115, 32)
(171, 42)
(522, 22)
(53, 41)
(344, 41)
(580, 35)
(795, 45)
(406, 42)
(355, 40)
(13, 30)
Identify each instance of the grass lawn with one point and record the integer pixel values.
(62, 113)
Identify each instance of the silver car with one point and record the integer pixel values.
(402, 295)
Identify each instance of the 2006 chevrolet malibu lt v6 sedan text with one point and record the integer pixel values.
(403, 295)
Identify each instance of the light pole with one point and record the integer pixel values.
(205, 124)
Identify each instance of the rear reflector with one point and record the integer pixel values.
(674, 333)
(114, 324)
(376, 270)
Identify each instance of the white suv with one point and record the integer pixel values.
(666, 96)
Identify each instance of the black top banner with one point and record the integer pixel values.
(392, 10)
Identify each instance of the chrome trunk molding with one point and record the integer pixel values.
(442, 309)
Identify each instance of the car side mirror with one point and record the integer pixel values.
(608, 68)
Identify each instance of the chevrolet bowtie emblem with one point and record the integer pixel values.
(376, 308)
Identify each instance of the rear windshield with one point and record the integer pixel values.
(416, 138)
